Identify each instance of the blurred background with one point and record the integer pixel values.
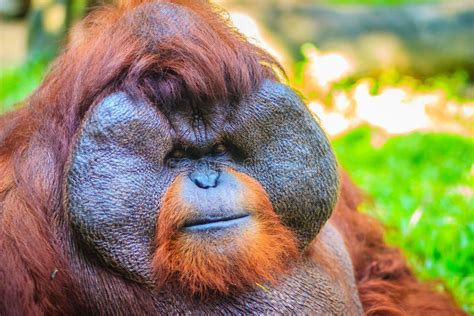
(391, 81)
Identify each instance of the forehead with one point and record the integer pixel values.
(130, 118)
(206, 124)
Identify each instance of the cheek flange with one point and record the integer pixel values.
(110, 187)
(290, 155)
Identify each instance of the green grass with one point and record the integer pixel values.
(427, 174)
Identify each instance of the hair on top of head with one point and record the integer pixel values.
(139, 47)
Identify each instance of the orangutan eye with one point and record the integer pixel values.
(178, 154)
(219, 149)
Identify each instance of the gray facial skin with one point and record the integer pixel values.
(122, 163)
(289, 154)
(119, 168)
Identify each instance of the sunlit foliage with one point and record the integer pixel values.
(420, 186)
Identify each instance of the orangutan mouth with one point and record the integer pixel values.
(203, 224)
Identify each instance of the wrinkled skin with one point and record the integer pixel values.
(121, 146)
(120, 157)
(119, 169)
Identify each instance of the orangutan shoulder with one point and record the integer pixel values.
(329, 252)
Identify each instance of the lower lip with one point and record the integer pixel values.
(218, 225)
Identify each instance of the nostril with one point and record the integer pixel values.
(201, 182)
(205, 179)
(213, 176)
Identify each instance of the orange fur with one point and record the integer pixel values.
(264, 250)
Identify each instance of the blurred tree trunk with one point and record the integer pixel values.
(13, 8)
(49, 21)
(421, 39)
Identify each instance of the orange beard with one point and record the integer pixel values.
(244, 258)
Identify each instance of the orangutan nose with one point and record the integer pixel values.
(205, 178)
